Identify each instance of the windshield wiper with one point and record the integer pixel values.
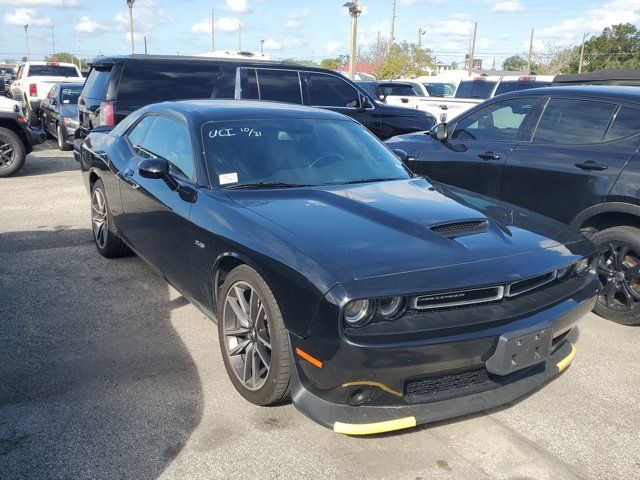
(367, 180)
(258, 185)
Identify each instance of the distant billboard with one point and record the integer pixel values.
(477, 64)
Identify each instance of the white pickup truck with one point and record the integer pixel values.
(470, 92)
(34, 81)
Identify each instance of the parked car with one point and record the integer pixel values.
(17, 138)
(376, 300)
(118, 86)
(570, 153)
(34, 81)
(59, 113)
(608, 76)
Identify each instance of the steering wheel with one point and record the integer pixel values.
(330, 157)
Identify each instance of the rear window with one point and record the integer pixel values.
(475, 89)
(52, 71)
(97, 83)
(403, 90)
(145, 83)
(506, 87)
(69, 94)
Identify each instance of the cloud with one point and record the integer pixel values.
(333, 47)
(368, 34)
(508, 6)
(421, 2)
(296, 19)
(238, 6)
(86, 25)
(453, 27)
(593, 20)
(146, 16)
(223, 24)
(271, 44)
(24, 16)
(293, 41)
(41, 3)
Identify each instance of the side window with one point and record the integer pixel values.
(279, 86)
(499, 122)
(249, 83)
(137, 135)
(329, 91)
(572, 121)
(169, 139)
(626, 123)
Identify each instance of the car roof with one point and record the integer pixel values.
(211, 110)
(610, 92)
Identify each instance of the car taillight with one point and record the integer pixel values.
(107, 113)
(33, 90)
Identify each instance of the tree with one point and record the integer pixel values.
(405, 60)
(306, 63)
(515, 63)
(64, 57)
(555, 59)
(334, 63)
(617, 46)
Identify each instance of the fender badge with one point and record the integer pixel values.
(199, 244)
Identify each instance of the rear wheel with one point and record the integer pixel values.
(105, 233)
(253, 339)
(619, 273)
(12, 153)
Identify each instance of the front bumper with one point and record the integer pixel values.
(455, 374)
(35, 135)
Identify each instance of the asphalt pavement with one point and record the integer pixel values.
(107, 372)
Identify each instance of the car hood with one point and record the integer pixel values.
(382, 228)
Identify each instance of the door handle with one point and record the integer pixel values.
(489, 156)
(590, 165)
(127, 174)
(404, 100)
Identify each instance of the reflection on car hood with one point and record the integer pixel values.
(382, 228)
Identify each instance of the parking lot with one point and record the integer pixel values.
(107, 372)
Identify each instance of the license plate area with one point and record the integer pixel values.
(521, 349)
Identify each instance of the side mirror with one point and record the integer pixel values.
(155, 168)
(53, 102)
(365, 103)
(439, 132)
(401, 154)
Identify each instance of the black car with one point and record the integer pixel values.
(118, 86)
(17, 137)
(376, 300)
(566, 152)
(59, 113)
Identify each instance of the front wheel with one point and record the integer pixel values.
(105, 233)
(62, 140)
(12, 153)
(619, 273)
(253, 339)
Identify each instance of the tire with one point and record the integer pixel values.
(30, 114)
(272, 386)
(62, 140)
(12, 153)
(105, 233)
(619, 272)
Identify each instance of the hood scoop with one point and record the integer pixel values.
(460, 228)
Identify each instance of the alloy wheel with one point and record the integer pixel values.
(99, 219)
(619, 273)
(246, 333)
(59, 137)
(7, 154)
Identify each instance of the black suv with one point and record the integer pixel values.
(117, 86)
(568, 152)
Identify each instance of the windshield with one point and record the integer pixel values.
(440, 89)
(475, 89)
(297, 152)
(52, 71)
(70, 95)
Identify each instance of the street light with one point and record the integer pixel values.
(130, 4)
(354, 11)
(261, 47)
(584, 39)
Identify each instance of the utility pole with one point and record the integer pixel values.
(239, 37)
(130, 4)
(354, 11)
(261, 47)
(421, 32)
(79, 53)
(213, 33)
(53, 40)
(584, 39)
(473, 48)
(393, 26)
(530, 53)
(26, 36)
(145, 44)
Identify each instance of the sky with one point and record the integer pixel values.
(304, 29)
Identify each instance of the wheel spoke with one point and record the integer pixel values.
(608, 292)
(620, 256)
(264, 340)
(247, 364)
(255, 366)
(242, 301)
(236, 332)
(264, 355)
(240, 348)
(627, 295)
(238, 311)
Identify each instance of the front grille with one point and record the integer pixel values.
(456, 229)
(457, 298)
(437, 387)
(530, 283)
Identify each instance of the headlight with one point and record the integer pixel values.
(70, 122)
(563, 272)
(358, 312)
(582, 266)
(390, 307)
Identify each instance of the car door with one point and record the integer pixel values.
(337, 94)
(156, 215)
(569, 160)
(46, 109)
(477, 147)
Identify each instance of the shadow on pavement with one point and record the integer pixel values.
(94, 380)
(55, 161)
